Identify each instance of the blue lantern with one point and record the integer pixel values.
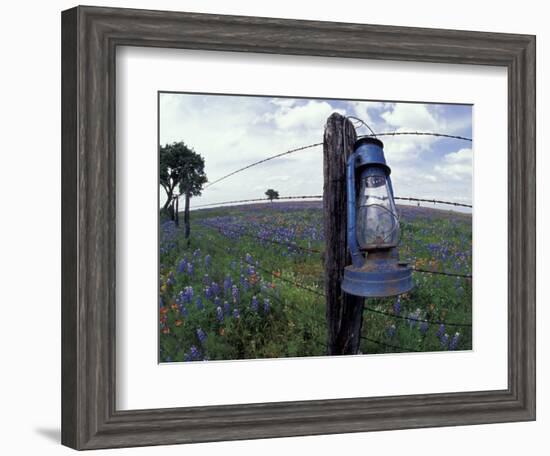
(373, 226)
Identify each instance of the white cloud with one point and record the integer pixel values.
(456, 165)
(411, 116)
(406, 148)
(361, 110)
(284, 102)
(311, 115)
(231, 132)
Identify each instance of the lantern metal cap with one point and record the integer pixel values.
(370, 151)
(368, 140)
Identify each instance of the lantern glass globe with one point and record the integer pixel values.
(377, 224)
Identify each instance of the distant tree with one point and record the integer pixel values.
(172, 159)
(192, 180)
(181, 168)
(272, 194)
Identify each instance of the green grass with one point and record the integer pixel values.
(262, 236)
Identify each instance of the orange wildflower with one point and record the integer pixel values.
(179, 322)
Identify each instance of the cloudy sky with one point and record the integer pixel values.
(233, 131)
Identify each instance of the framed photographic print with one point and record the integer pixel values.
(301, 227)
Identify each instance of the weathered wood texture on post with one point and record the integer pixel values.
(344, 312)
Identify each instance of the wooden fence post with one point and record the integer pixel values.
(344, 312)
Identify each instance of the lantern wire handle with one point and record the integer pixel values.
(345, 128)
(361, 121)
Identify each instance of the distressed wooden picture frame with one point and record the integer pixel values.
(90, 36)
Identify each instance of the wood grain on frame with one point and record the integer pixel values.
(90, 36)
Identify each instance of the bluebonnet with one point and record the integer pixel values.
(424, 327)
(190, 269)
(266, 305)
(217, 302)
(390, 331)
(171, 279)
(397, 306)
(236, 313)
(199, 303)
(219, 314)
(201, 335)
(227, 283)
(207, 261)
(254, 304)
(244, 283)
(195, 354)
(184, 296)
(206, 280)
(182, 266)
(454, 341)
(440, 331)
(227, 308)
(235, 293)
(208, 293)
(215, 288)
(444, 340)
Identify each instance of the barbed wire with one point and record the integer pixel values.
(298, 197)
(379, 342)
(318, 293)
(450, 274)
(288, 152)
(256, 200)
(417, 133)
(419, 320)
(298, 149)
(278, 277)
(434, 201)
(320, 252)
(311, 290)
(271, 292)
(291, 282)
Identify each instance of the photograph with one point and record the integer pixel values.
(242, 242)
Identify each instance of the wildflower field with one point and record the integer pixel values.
(249, 284)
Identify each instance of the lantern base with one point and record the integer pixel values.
(378, 279)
